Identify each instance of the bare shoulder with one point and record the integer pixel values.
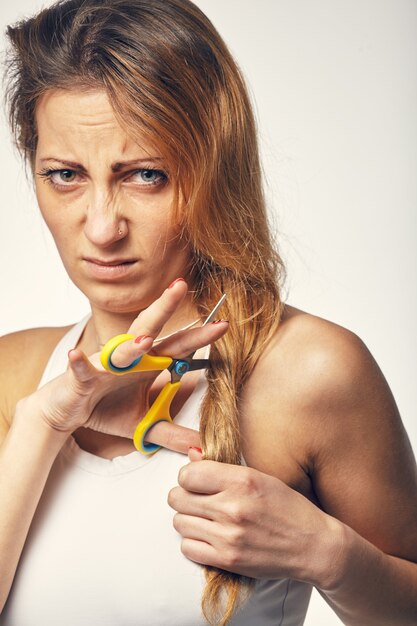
(319, 361)
(23, 358)
(319, 414)
(307, 371)
(328, 372)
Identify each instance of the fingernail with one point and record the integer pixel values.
(174, 282)
(196, 448)
(219, 321)
(69, 351)
(141, 338)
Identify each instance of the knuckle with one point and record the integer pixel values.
(247, 480)
(236, 513)
(231, 558)
(235, 536)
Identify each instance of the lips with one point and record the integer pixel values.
(109, 269)
(109, 262)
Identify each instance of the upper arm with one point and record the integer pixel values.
(362, 464)
(23, 358)
(332, 412)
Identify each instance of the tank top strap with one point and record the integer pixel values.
(58, 360)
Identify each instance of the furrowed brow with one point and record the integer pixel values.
(119, 165)
(71, 164)
(115, 167)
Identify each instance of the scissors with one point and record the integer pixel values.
(159, 411)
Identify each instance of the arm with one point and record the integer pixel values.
(364, 475)
(26, 457)
(28, 446)
(334, 418)
(372, 588)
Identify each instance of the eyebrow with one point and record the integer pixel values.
(115, 167)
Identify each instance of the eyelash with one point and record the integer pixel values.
(47, 174)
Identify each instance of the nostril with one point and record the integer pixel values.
(103, 232)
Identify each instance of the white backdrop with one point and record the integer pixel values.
(335, 89)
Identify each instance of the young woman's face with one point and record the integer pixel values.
(107, 201)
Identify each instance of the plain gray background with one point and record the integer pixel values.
(334, 84)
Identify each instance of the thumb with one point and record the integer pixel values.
(195, 454)
(80, 366)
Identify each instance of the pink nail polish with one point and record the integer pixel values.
(174, 282)
(140, 338)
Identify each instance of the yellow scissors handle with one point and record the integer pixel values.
(144, 363)
(158, 412)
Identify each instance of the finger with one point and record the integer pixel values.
(211, 477)
(190, 503)
(128, 351)
(195, 453)
(201, 552)
(192, 527)
(152, 319)
(173, 437)
(81, 366)
(184, 342)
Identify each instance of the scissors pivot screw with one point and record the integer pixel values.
(182, 367)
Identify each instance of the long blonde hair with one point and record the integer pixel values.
(170, 77)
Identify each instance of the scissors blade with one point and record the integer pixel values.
(212, 315)
(209, 319)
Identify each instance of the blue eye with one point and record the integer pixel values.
(64, 176)
(150, 176)
(58, 178)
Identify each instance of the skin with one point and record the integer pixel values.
(326, 512)
(85, 212)
(108, 191)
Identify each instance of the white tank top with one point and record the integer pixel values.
(102, 550)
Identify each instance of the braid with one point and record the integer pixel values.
(253, 316)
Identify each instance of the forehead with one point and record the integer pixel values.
(70, 119)
(65, 108)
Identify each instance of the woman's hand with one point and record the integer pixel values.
(242, 520)
(87, 395)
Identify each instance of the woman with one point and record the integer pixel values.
(138, 129)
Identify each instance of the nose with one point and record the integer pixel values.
(104, 225)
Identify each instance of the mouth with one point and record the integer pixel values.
(109, 268)
(109, 262)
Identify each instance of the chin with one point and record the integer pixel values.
(123, 299)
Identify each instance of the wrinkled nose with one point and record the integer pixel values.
(104, 224)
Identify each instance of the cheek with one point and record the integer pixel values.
(46, 203)
(161, 244)
(42, 199)
(150, 218)
(55, 217)
(158, 237)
